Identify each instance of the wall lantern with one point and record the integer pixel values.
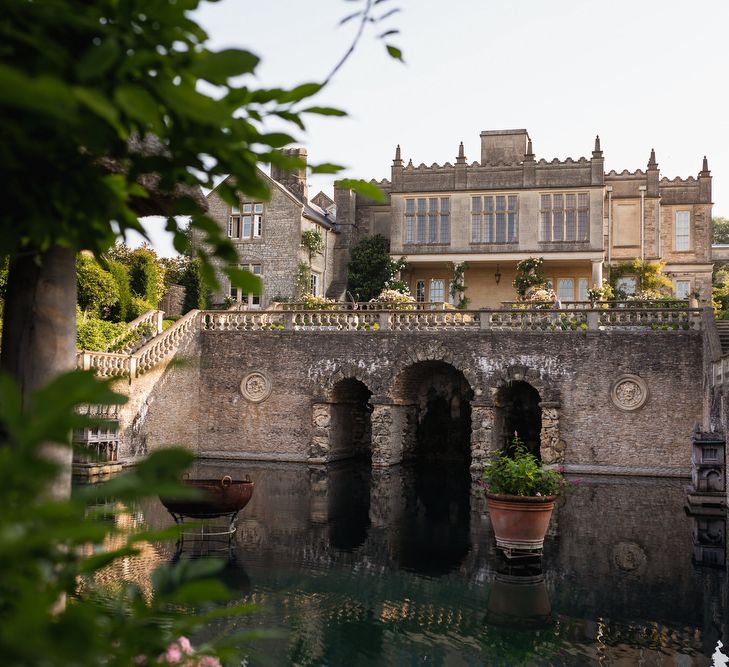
(497, 275)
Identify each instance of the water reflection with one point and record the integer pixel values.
(399, 566)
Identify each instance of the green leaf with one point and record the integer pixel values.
(186, 101)
(244, 280)
(136, 102)
(100, 105)
(325, 111)
(326, 168)
(218, 67)
(44, 95)
(98, 59)
(394, 52)
(301, 92)
(364, 188)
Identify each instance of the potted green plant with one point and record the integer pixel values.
(520, 495)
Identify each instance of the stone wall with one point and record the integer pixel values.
(575, 373)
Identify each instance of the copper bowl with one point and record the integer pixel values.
(219, 497)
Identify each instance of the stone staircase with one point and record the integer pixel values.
(722, 326)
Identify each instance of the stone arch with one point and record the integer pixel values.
(350, 370)
(431, 411)
(432, 351)
(341, 422)
(551, 447)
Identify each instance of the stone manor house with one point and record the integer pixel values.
(491, 213)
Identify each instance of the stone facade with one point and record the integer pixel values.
(612, 217)
(573, 372)
(274, 251)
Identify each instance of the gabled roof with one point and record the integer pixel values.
(310, 210)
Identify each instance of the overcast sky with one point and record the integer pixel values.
(640, 73)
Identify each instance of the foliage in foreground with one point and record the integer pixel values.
(52, 611)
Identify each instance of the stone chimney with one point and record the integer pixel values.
(293, 180)
(503, 146)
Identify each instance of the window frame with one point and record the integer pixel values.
(494, 218)
(564, 216)
(441, 290)
(251, 299)
(683, 281)
(427, 221)
(245, 221)
(687, 236)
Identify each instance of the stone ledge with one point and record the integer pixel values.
(253, 456)
(634, 471)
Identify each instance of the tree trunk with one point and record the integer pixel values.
(39, 333)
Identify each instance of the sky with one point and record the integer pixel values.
(641, 73)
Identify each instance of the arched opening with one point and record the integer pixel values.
(438, 398)
(437, 440)
(519, 412)
(351, 427)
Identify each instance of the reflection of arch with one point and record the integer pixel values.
(435, 397)
(518, 411)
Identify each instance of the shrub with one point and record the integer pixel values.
(317, 302)
(97, 289)
(394, 299)
(529, 274)
(371, 270)
(138, 307)
(93, 333)
(197, 295)
(146, 275)
(120, 310)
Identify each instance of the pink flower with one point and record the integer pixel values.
(208, 661)
(172, 655)
(140, 660)
(185, 645)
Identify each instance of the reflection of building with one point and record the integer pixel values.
(509, 206)
(268, 235)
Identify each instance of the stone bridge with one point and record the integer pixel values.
(597, 391)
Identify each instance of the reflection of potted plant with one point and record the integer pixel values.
(520, 495)
(519, 597)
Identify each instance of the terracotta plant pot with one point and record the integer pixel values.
(520, 522)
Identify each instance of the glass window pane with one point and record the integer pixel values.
(566, 289)
(437, 290)
(488, 204)
(682, 230)
(570, 224)
(500, 227)
(258, 208)
(683, 287)
(512, 202)
(583, 200)
(546, 202)
(570, 201)
(420, 291)
(421, 205)
(476, 204)
(500, 203)
(246, 226)
(409, 224)
(247, 208)
(421, 228)
(558, 226)
(445, 229)
(432, 227)
(445, 205)
(582, 285)
(545, 226)
(475, 228)
(410, 206)
(583, 225)
(511, 231)
(432, 205)
(488, 228)
(558, 201)
(235, 208)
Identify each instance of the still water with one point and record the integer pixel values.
(399, 567)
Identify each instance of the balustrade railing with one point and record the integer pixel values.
(529, 319)
(106, 364)
(163, 345)
(146, 325)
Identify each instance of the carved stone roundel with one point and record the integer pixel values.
(255, 387)
(629, 392)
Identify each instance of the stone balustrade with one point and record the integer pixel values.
(111, 364)
(163, 345)
(527, 319)
(151, 321)
(106, 364)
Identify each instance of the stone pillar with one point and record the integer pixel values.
(552, 448)
(482, 434)
(321, 433)
(597, 272)
(389, 424)
(410, 431)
